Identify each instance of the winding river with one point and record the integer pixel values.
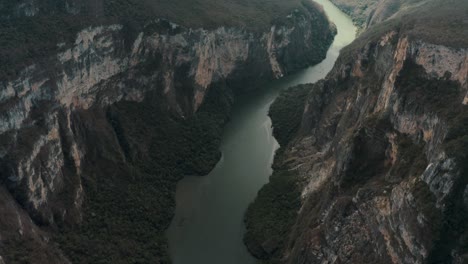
(208, 223)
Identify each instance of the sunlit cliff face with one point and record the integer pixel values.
(54, 108)
(375, 154)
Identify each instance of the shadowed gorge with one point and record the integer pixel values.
(106, 105)
(233, 131)
(208, 224)
(377, 163)
(35, 29)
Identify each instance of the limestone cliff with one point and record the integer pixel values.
(379, 158)
(370, 12)
(73, 129)
(377, 154)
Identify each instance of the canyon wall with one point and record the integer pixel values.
(370, 12)
(78, 130)
(382, 153)
(378, 160)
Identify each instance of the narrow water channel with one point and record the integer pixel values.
(208, 223)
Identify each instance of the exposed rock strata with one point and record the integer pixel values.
(370, 12)
(58, 119)
(381, 156)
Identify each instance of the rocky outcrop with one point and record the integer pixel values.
(370, 12)
(377, 162)
(62, 124)
(380, 156)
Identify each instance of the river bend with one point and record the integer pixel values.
(208, 224)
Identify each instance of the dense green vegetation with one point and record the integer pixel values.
(454, 230)
(130, 201)
(365, 11)
(136, 152)
(410, 161)
(26, 39)
(286, 112)
(270, 217)
(434, 94)
(190, 13)
(447, 26)
(358, 10)
(419, 94)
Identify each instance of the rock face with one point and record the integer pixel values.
(60, 127)
(377, 156)
(380, 156)
(370, 12)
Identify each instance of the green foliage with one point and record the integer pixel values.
(271, 216)
(17, 250)
(26, 40)
(423, 94)
(367, 158)
(286, 112)
(437, 21)
(454, 222)
(432, 94)
(410, 160)
(130, 203)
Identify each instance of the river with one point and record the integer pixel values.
(208, 224)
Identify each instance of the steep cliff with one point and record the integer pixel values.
(370, 12)
(375, 172)
(94, 137)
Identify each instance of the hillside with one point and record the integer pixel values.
(199, 13)
(32, 29)
(104, 108)
(375, 171)
(369, 12)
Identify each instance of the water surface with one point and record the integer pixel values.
(208, 223)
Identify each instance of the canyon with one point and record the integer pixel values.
(372, 167)
(95, 134)
(106, 105)
(207, 226)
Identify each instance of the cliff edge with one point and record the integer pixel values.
(372, 169)
(98, 125)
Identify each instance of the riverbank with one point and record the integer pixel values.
(380, 153)
(97, 131)
(271, 216)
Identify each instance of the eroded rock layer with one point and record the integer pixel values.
(379, 158)
(93, 139)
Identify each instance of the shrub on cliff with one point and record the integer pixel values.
(130, 200)
(286, 112)
(270, 217)
(27, 37)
